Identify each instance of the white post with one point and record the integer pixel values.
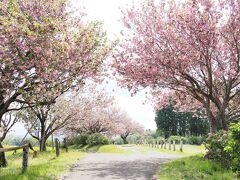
(181, 146)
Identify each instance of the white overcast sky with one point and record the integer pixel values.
(108, 11)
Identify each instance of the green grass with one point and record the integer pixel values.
(194, 167)
(188, 150)
(112, 149)
(102, 149)
(45, 166)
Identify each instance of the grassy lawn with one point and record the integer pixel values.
(194, 167)
(188, 150)
(45, 166)
(103, 149)
(112, 149)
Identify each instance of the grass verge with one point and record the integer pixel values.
(112, 149)
(45, 166)
(103, 149)
(195, 167)
(188, 150)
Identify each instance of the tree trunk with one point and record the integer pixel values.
(124, 140)
(225, 125)
(212, 120)
(222, 118)
(42, 144)
(213, 125)
(43, 138)
(3, 160)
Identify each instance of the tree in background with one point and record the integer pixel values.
(126, 126)
(174, 123)
(96, 112)
(166, 121)
(198, 124)
(41, 121)
(188, 50)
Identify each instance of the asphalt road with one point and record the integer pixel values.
(142, 164)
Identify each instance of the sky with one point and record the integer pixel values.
(109, 12)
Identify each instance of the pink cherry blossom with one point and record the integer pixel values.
(190, 49)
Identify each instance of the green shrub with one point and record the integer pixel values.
(97, 139)
(233, 146)
(215, 145)
(117, 140)
(177, 139)
(159, 139)
(81, 140)
(195, 140)
(134, 138)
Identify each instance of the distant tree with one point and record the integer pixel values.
(166, 121)
(96, 112)
(172, 122)
(42, 121)
(126, 126)
(198, 124)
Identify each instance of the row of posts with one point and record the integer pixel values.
(57, 146)
(163, 145)
(26, 152)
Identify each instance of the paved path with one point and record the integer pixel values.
(139, 165)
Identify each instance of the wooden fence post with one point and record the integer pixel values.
(57, 147)
(181, 146)
(25, 154)
(169, 145)
(25, 158)
(34, 154)
(161, 144)
(174, 146)
(65, 144)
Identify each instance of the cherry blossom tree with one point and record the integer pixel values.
(187, 50)
(125, 126)
(45, 50)
(42, 121)
(96, 112)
